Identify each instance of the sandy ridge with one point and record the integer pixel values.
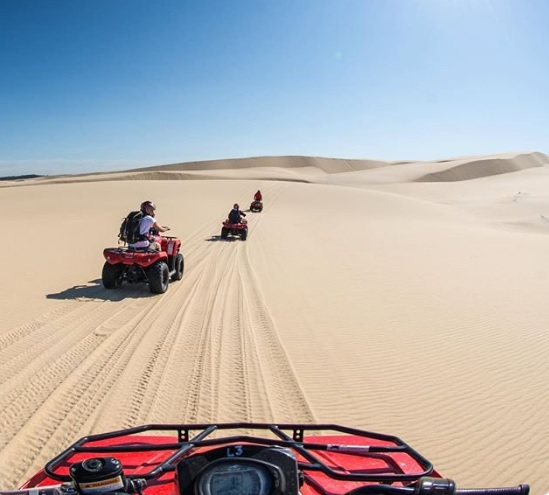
(314, 169)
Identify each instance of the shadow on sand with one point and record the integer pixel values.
(215, 238)
(96, 292)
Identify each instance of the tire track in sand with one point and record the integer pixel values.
(240, 370)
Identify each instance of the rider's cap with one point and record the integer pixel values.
(148, 204)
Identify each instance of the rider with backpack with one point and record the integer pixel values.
(145, 230)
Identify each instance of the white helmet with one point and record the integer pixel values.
(148, 207)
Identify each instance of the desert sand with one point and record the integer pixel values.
(409, 298)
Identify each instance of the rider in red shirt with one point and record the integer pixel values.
(257, 196)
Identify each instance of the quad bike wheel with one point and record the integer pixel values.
(111, 275)
(224, 233)
(244, 234)
(179, 266)
(159, 277)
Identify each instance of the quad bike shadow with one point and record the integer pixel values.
(94, 291)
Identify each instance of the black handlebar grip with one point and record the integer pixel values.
(436, 486)
(512, 490)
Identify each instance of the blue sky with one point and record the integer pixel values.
(92, 85)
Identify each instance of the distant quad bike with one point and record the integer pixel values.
(256, 206)
(136, 265)
(235, 229)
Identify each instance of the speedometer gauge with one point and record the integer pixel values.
(235, 478)
(239, 469)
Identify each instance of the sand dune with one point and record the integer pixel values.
(402, 297)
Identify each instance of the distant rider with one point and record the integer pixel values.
(257, 196)
(148, 228)
(236, 214)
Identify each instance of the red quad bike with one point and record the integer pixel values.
(244, 459)
(256, 206)
(136, 265)
(235, 229)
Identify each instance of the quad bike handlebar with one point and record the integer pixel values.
(437, 486)
(155, 232)
(270, 470)
(425, 486)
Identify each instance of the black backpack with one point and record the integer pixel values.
(129, 229)
(234, 216)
